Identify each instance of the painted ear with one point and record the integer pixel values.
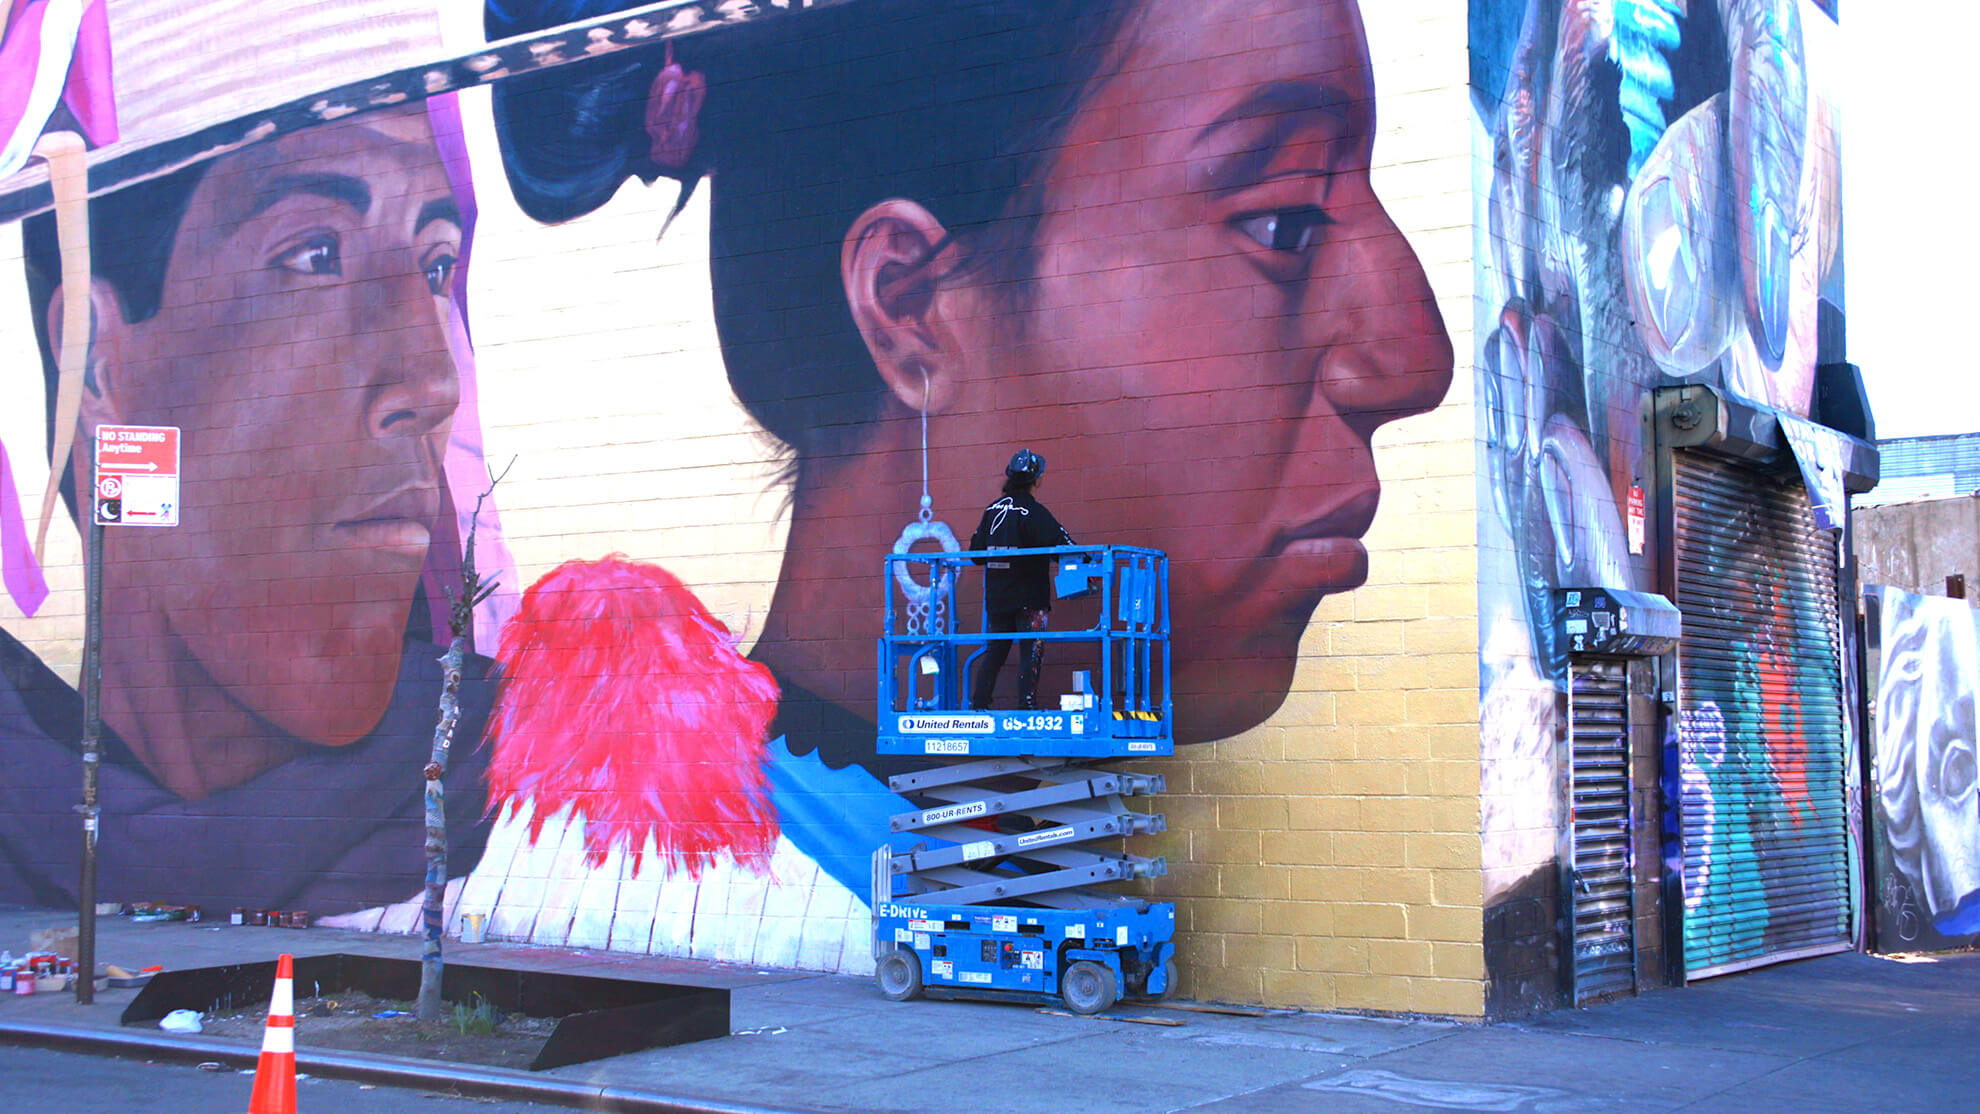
(892, 264)
(107, 330)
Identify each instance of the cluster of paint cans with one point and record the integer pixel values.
(272, 918)
(147, 912)
(43, 972)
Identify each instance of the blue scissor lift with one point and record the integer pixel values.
(985, 889)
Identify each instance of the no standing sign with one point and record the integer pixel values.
(137, 475)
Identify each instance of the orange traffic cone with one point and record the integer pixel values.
(275, 1072)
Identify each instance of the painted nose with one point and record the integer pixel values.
(414, 386)
(1386, 354)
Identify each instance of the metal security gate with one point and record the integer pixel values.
(1761, 735)
(1599, 892)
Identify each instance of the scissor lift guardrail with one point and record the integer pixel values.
(1004, 821)
(927, 658)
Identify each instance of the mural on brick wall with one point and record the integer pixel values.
(1926, 819)
(1658, 203)
(967, 226)
(297, 309)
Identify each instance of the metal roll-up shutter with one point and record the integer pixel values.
(1600, 889)
(1761, 736)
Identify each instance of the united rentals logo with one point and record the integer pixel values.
(954, 724)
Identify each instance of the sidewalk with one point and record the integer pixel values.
(1841, 1033)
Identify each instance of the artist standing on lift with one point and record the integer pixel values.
(1018, 590)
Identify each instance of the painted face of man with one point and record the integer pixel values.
(301, 344)
(1221, 314)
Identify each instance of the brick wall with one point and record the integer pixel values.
(1330, 858)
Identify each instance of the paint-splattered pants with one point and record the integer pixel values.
(1031, 657)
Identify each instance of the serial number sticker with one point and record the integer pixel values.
(925, 926)
(1003, 924)
(921, 941)
(1075, 932)
(945, 969)
(946, 746)
(1141, 747)
(982, 849)
(903, 936)
(966, 811)
(979, 977)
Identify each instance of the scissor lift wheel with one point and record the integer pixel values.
(1088, 987)
(899, 975)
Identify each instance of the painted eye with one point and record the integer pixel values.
(1286, 230)
(440, 274)
(318, 255)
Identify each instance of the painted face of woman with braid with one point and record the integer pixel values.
(1084, 227)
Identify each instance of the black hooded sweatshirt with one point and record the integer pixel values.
(1018, 522)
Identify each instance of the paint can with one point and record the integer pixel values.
(238, 916)
(24, 981)
(257, 917)
(6, 980)
(474, 928)
(298, 918)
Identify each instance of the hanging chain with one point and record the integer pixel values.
(927, 607)
(927, 501)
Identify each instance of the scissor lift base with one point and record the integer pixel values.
(1087, 958)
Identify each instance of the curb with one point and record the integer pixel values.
(394, 1071)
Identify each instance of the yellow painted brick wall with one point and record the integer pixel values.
(1330, 858)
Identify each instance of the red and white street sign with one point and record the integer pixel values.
(137, 475)
(1635, 510)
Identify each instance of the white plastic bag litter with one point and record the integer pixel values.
(181, 1021)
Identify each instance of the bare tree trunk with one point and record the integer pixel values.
(460, 619)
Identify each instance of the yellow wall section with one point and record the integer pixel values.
(1329, 859)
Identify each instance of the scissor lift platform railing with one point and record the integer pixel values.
(927, 658)
(997, 895)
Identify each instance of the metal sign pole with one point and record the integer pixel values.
(133, 481)
(92, 742)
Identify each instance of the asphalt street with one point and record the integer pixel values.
(40, 1081)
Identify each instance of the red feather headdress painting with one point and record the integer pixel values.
(624, 698)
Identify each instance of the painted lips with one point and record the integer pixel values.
(1332, 541)
(402, 520)
(1346, 522)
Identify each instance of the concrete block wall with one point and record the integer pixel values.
(1917, 546)
(1330, 858)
